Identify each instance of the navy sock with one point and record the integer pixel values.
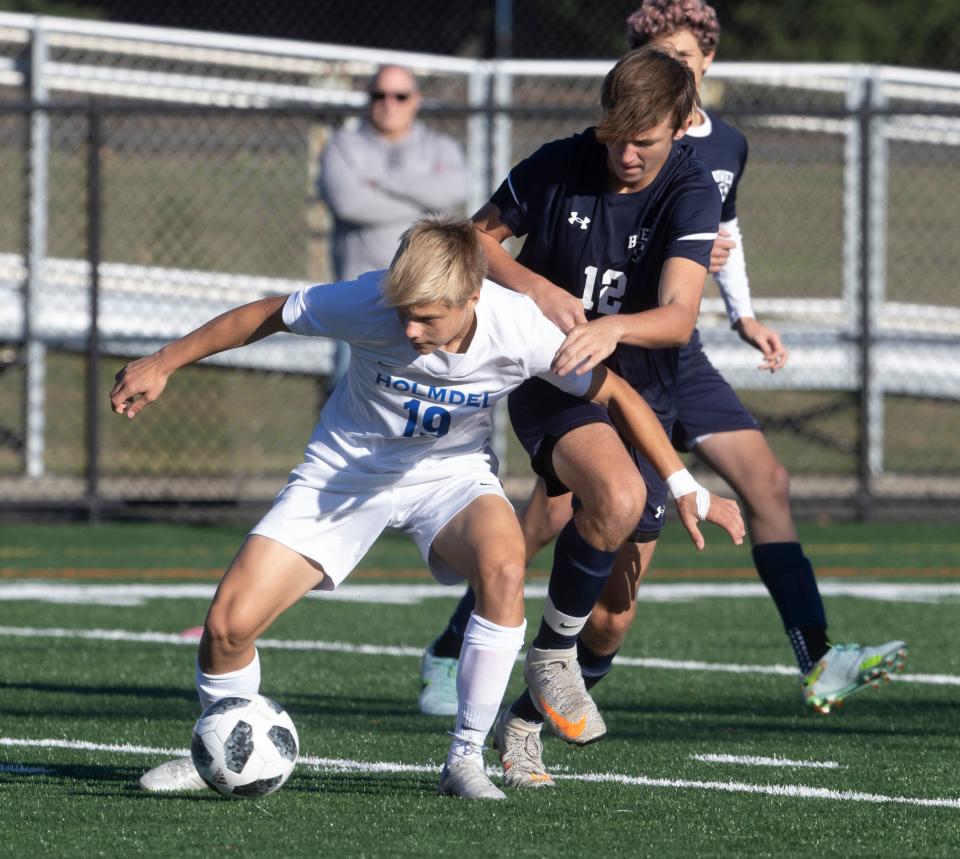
(449, 642)
(593, 667)
(525, 708)
(789, 578)
(576, 580)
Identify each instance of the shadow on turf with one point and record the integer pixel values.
(144, 700)
(858, 716)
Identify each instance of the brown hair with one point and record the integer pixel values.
(642, 90)
(656, 18)
(439, 259)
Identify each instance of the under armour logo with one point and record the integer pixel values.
(573, 219)
(660, 509)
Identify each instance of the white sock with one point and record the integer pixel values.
(213, 687)
(486, 660)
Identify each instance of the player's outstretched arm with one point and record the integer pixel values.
(140, 382)
(636, 420)
(559, 306)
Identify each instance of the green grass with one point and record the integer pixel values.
(900, 741)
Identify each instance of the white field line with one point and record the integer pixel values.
(759, 761)
(410, 594)
(347, 765)
(406, 651)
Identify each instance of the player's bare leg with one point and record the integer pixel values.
(544, 517)
(615, 611)
(831, 673)
(593, 462)
(485, 544)
(262, 581)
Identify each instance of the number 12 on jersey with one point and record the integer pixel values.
(613, 285)
(435, 421)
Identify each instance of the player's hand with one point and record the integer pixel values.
(720, 252)
(586, 346)
(137, 385)
(704, 506)
(559, 306)
(765, 339)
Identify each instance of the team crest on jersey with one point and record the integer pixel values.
(724, 180)
(583, 222)
(638, 243)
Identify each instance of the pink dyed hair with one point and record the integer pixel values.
(664, 17)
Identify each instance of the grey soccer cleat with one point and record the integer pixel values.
(175, 775)
(521, 752)
(556, 687)
(466, 778)
(848, 668)
(438, 681)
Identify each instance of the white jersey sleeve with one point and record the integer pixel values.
(732, 278)
(339, 310)
(543, 339)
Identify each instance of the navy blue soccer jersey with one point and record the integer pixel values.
(723, 150)
(606, 248)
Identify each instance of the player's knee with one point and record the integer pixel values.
(226, 633)
(775, 482)
(606, 629)
(503, 576)
(614, 515)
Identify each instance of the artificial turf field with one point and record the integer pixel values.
(709, 751)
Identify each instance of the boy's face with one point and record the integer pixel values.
(436, 325)
(687, 47)
(634, 164)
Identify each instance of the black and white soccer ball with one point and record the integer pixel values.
(244, 746)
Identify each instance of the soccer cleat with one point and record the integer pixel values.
(179, 774)
(438, 678)
(466, 778)
(556, 687)
(521, 752)
(848, 668)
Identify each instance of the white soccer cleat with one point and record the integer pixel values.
(175, 775)
(848, 668)
(438, 678)
(556, 687)
(521, 752)
(466, 779)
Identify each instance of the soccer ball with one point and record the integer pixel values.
(244, 746)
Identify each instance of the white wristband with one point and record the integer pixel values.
(683, 483)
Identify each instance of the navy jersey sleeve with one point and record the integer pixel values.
(526, 193)
(694, 221)
(729, 211)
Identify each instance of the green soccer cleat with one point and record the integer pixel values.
(848, 668)
(438, 678)
(556, 687)
(521, 752)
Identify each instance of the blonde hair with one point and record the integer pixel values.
(647, 86)
(439, 259)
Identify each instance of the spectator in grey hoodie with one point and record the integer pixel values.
(384, 175)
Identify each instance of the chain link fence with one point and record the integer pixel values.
(153, 217)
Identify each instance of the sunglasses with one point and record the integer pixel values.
(380, 95)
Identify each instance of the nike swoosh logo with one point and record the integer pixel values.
(565, 625)
(563, 726)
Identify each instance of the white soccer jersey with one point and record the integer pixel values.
(396, 411)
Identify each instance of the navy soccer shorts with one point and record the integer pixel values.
(706, 402)
(541, 414)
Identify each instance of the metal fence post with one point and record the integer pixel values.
(34, 348)
(865, 473)
(94, 218)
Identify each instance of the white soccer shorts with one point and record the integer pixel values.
(334, 520)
